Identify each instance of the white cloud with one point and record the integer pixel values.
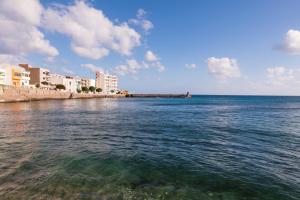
(190, 66)
(150, 56)
(223, 68)
(282, 75)
(20, 34)
(154, 61)
(92, 34)
(67, 71)
(292, 42)
(141, 21)
(141, 13)
(92, 67)
(160, 67)
(12, 59)
(131, 67)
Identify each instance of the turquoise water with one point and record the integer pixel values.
(206, 147)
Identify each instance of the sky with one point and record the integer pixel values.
(205, 47)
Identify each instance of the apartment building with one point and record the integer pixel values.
(87, 82)
(56, 79)
(72, 84)
(38, 76)
(25, 78)
(108, 83)
(20, 76)
(111, 83)
(5, 74)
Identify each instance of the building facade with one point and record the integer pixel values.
(111, 83)
(25, 80)
(5, 74)
(87, 82)
(70, 83)
(38, 76)
(2, 76)
(56, 79)
(108, 83)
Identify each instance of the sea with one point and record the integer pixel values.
(202, 148)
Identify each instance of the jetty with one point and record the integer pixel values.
(158, 95)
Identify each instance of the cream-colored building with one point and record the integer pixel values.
(108, 83)
(5, 74)
(70, 84)
(56, 79)
(25, 78)
(87, 82)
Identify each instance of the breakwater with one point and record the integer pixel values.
(157, 95)
(23, 94)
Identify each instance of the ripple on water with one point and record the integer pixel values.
(201, 148)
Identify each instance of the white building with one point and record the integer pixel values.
(78, 83)
(70, 84)
(111, 83)
(108, 83)
(25, 78)
(2, 76)
(5, 74)
(93, 82)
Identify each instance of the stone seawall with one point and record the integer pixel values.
(14, 94)
(158, 95)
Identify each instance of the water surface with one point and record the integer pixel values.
(206, 147)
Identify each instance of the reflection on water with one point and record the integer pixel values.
(200, 148)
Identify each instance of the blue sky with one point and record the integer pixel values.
(205, 47)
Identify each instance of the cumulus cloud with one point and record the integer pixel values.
(12, 59)
(153, 61)
(20, 34)
(67, 71)
(92, 34)
(160, 67)
(131, 67)
(150, 56)
(281, 75)
(92, 67)
(141, 21)
(223, 68)
(291, 43)
(190, 66)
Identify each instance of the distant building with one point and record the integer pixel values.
(70, 84)
(87, 82)
(78, 83)
(38, 75)
(108, 83)
(25, 81)
(2, 76)
(93, 82)
(56, 79)
(5, 74)
(20, 76)
(111, 83)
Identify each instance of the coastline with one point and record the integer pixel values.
(9, 94)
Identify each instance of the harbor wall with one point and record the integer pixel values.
(19, 94)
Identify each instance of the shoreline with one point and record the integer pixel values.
(17, 100)
(89, 96)
(10, 94)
